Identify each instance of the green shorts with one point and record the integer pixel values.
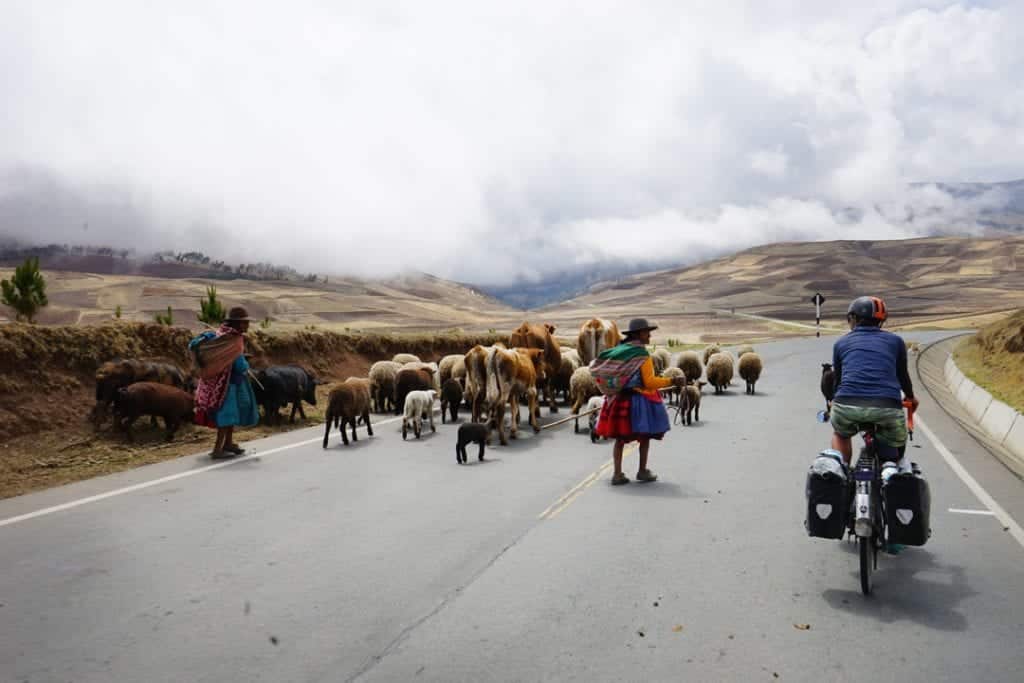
(890, 423)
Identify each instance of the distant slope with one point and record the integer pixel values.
(922, 280)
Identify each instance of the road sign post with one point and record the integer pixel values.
(817, 300)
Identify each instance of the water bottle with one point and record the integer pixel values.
(889, 468)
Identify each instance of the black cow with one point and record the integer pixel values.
(279, 385)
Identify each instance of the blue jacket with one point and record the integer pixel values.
(871, 368)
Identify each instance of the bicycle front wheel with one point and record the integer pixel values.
(867, 563)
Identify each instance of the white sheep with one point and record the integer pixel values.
(673, 392)
(404, 358)
(449, 368)
(719, 370)
(594, 404)
(746, 348)
(573, 355)
(382, 384)
(417, 405)
(661, 358)
(581, 387)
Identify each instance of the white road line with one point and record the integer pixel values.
(163, 480)
(972, 512)
(1002, 515)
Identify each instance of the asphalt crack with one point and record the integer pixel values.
(405, 633)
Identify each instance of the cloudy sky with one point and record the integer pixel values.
(490, 142)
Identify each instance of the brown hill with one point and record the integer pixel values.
(932, 281)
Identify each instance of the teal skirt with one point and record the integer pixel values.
(239, 408)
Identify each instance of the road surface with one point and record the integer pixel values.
(386, 561)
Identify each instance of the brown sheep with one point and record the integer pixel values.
(409, 379)
(710, 351)
(673, 392)
(750, 367)
(560, 385)
(114, 375)
(451, 397)
(691, 402)
(156, 399)
(746, 348)
(661, 359)
(719, 370)
(449, 368)
(346, 403)
(689, 363)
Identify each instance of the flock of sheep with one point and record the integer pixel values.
(410, 387)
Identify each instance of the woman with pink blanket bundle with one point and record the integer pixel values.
(224, 399)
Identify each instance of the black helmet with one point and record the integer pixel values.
(867, 308)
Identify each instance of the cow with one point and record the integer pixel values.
(277, 386)
(511, 375)
(117, 374)
(541, 337)
(596, 335)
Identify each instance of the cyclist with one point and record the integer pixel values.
(870, 371)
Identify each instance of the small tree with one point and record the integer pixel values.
(26, 291)
(117, 312)
(265, 323)
(167, 319)
(212, 312)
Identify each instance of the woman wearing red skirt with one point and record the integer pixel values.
(637, 412)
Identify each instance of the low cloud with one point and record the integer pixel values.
(494, 144)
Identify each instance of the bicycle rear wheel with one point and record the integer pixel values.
(867, 564)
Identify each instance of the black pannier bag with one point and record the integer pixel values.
(908, 505)
(828, 498)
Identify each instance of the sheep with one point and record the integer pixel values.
(409, 379)
(750, 367)
(382, 385)
(346, 403)
(564, 376)
(581, 387)
(403, 358)
(689, 363)
(746, 348)
(471, 432)
(828, 386)
(691, 402)
(710, 351)
(574, 355)
(417, 404)
(719, 370)
(447, 366)
(451, 397)
(594, 404)
(673, 392)
(661, 359)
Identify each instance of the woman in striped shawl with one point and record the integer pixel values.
(637, 412)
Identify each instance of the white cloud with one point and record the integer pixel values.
(489, 142)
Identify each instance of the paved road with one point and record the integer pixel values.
(387, 561)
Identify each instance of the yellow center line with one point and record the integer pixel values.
(572, 494)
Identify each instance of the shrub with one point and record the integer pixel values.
(25, 292)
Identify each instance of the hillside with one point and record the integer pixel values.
(994, 358)
(934, 281)
(87, 289)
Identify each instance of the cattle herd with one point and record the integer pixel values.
(487, 380)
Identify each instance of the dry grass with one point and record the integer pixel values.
(994, 359)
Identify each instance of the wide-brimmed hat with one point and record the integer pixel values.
(237, 315)
(638, 325)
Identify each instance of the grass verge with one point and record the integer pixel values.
(994, 359)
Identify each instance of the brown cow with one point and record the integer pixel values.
(476, 361)
(596, 335)
(541, 337)
(512, 374)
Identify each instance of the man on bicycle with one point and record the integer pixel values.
(870, 371)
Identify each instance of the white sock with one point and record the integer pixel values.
(904, 465)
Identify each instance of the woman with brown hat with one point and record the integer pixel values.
(636, 412)
(224, 399)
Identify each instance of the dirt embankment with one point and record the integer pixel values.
(47, 391)
(994, 358)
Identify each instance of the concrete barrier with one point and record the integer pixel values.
(963, 391)
(1014, 440)
(978, 402)
(998, 419)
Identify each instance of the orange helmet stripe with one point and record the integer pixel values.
(880, 312)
